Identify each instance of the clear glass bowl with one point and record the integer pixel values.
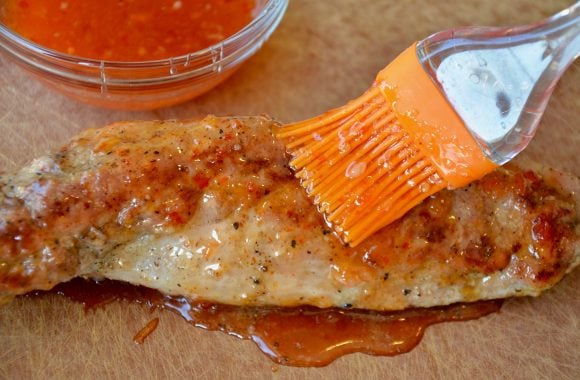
(147, 84)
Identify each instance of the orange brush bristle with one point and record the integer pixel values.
(367, 163)
(349, 157)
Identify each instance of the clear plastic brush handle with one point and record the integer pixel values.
(499, 80)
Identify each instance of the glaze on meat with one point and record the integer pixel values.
(208, 209)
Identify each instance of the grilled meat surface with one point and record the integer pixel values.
(208, 209)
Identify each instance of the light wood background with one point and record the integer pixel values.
(323, 54)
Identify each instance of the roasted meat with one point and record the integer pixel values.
(208, 209)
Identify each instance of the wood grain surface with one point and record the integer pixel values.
(323, 54)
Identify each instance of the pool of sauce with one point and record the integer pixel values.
(301, 336)
(126, 30)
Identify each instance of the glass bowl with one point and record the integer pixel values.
(147, 84)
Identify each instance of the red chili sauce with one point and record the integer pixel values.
(303, 336)
(126, 30)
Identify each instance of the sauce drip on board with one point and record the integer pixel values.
(126, 30)
(302, 336)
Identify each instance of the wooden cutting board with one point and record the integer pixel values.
(323, 54)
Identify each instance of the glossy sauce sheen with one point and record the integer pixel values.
(300, 336)
(208, 209)
(126, 30)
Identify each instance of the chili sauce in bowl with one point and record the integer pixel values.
(135, 54)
